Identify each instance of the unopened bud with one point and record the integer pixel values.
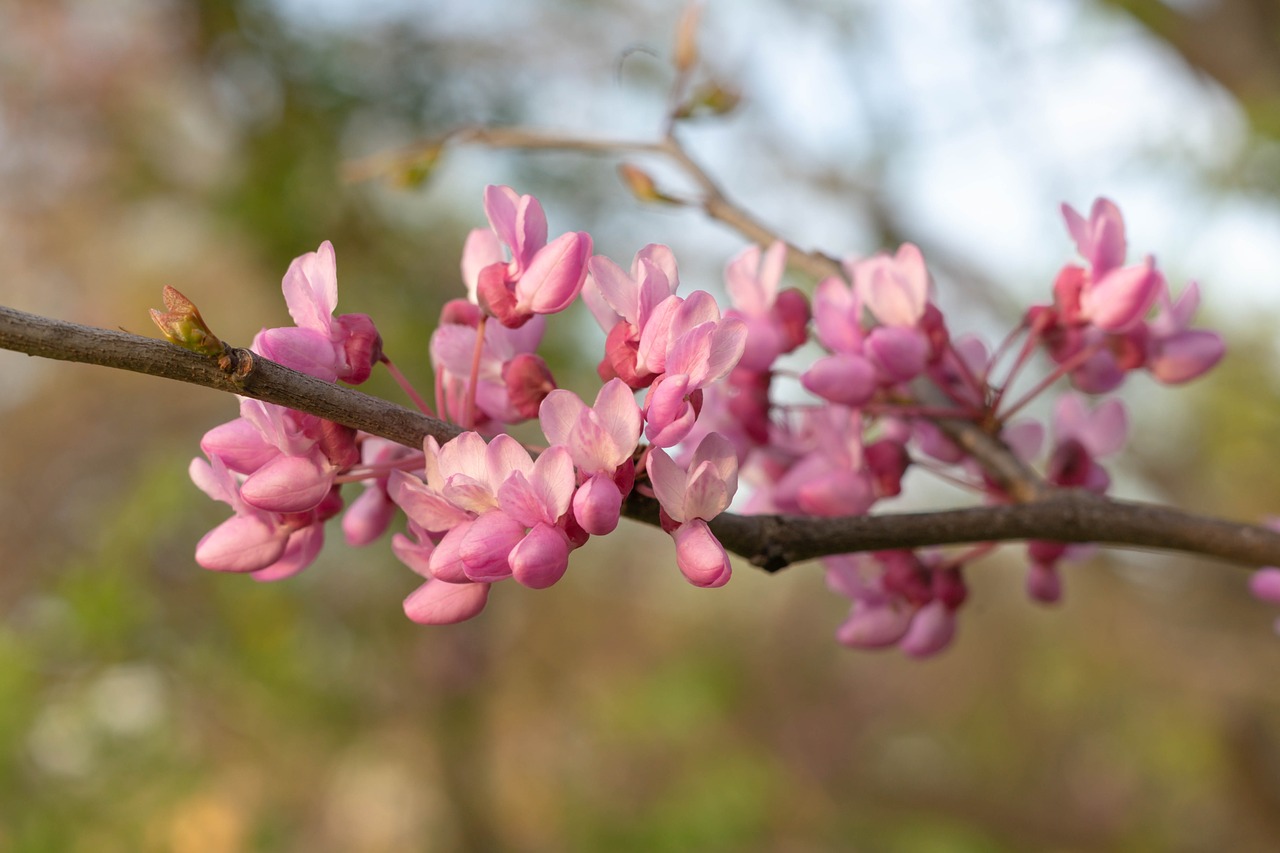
(182, 325)
(642, 185)
(685, 56)
(709, 99)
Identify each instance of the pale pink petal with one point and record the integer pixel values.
(555, 275)
(698, 307)
(931, 630)
(214, 480)
(289, 484)
(618, 292)
(414, 554)
(899, 352)
(301, 550)
(531, 231)
(304, 350)
(842, 378)
(655, 336)
(1264, 585)
(540, 559)
(1123, 296)
(445, 562)
(1186, 355)
(837, 313)
(311, 288)
(700, 556)
(242, 543)
(482, 249)
(619, 414)
(488, 541)
(728, 343)
(719, 452)
(874, 625)
(504, 455)
(440, 603)
(669, 482)
(426, 508)
(553, 480)
(558, 415)
(240, 445)
(500, 206)
(597, 504)
(707, 494)
(368, 516)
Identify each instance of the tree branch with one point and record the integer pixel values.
(771, 542)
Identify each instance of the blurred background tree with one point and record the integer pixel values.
(145, 704)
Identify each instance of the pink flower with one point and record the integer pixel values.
(500, 511)
(321, 345)
(896, 290)
(693, 497)
(1176, 353)
(688, 344)
(776, 322)
(600, 440)
(1109, 296)
(268, 545)
(540, 277)
(510, 377)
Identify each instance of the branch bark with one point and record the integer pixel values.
(768, 541)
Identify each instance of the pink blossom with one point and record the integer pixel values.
(693, 497)
(601, 440)
(539, 278)
(509, 377)
(895, 289)
(776, 321)
(487, 500)
(268, 545)
(321, 345)
(1176, 353)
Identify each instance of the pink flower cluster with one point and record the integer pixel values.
(830, 438)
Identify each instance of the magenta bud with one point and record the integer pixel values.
(528, 381)
(361, 347)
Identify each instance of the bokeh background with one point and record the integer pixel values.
(148, 705)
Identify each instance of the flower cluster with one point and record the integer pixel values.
(691, 396)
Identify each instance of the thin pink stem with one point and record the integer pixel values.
(475, 374)
(1024, 355)
(406, 386)
(1061, 370)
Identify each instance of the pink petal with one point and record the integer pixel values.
(931, 630)
(482, 249)
(555, 275)
(368, 517)
(837, 314)
(1044, 584)
(426, 508)
(311, 288)
(243, 543)
(707, 495)
(415, 555)
(1264, 585)
(874, 625)
(553, 480)
(304, 350)
(616, 290)
(445, 562)
(485, 547)
(619, 414)
(440, 603)
(841, 378)
(728, 343)
(1186, 355)
(301, 550)
(289, 484)
(700, 556)
(668, 481)
(540, 559)
(240, 445)
(899, 352)
(597, 504)
(559, 413)
(1122, 297)
(500, 205)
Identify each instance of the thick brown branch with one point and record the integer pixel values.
(771, 542)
